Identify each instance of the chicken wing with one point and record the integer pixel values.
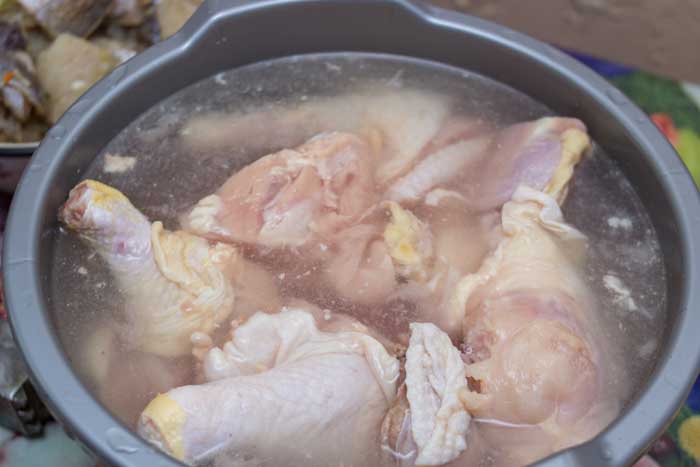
(485, 167)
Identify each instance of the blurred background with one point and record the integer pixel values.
(659, 36)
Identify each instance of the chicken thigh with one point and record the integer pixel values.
(283, 199)
(530, 330)
(175, 284)
(284, 393)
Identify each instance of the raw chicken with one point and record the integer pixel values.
(175, 284)
(360, 268)
(530, 332)
(539, 154)
(282, 393)
(407, 120)
(283, 199)
(68, 68)
(455, 129)
(486, 168)
(460, 242)
(398, 123)
(409, 242)
(441, 167)
(428, 423)
(365, 267)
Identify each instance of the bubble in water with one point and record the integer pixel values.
(119, 441)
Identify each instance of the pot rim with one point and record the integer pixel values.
(623, 441)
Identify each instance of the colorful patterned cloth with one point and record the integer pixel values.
(673, 106)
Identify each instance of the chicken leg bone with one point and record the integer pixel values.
(283, 391)
(175, 284)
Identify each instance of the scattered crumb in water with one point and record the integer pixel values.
(327, 314)
(82, 271)
(115, 163)
(101, 285)
(323, 246)
(646, 349)
(281, 276)
(619, 223)
(622, 295)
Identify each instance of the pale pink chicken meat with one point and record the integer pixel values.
(283, 393)
(360, 267)
(526, 154)
(457, 148)
(486, 167)
(175, 285)
(290, 197)
(461, 242)
(398, 122)
(530, 332)
(428, 422)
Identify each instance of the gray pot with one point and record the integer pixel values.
(275, 28)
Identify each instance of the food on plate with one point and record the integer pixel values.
(52, 51)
